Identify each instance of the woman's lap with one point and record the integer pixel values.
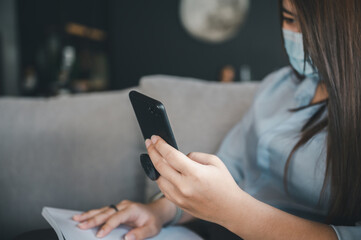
(41, 234)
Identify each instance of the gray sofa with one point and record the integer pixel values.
(82, 151)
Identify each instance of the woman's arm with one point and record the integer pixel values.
(253, 219)
(201, 184)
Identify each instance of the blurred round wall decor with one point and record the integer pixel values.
(213, 21)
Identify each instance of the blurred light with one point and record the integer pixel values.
(245, 73)
(84, 31)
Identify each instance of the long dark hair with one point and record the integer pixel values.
(331, 35)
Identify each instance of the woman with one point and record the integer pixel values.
(291, 168)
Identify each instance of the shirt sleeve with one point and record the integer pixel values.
(231, 151)
(348, 232)
(239, 145)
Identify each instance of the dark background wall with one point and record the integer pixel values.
(39, 18)
(9, 58)
(148, 38)
(43, 36)
(1, 67)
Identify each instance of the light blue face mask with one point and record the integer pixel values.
(296, 54)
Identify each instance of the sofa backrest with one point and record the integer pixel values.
(82, 152)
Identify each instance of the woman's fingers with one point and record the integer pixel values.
(114, 221)
(167, 189)
(89, 214)
(203, 158)
(175, 158)
(143, 232)
(142, 218)
(162, 166)
(97, 220)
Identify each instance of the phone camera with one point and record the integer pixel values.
(151, 110)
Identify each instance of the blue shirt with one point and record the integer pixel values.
(255, 151)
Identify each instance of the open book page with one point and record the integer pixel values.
(65, 228)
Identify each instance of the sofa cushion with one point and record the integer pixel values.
(200, 112)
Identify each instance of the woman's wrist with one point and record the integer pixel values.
(165, 210)
(234, 211)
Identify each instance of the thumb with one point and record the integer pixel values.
(203, 158)
(140, 233)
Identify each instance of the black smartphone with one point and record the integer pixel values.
(153, 120)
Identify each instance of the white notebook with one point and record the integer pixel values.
(66, 229)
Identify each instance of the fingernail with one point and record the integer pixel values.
(82, 224)
(100, 233)
(147, 143)
(130, 237)
(154, 139)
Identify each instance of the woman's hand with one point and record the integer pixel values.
(146, 220)
(199, 183)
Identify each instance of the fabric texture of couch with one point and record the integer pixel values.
(82, 151)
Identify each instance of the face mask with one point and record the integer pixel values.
(296, 54)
